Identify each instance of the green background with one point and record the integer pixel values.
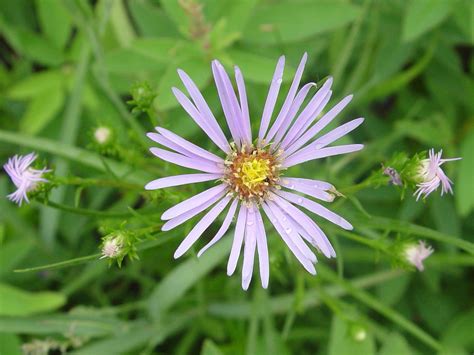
(68, 66)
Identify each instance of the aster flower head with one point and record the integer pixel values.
(415, 254)
(431, 176)
(112, 247)
(25, 178)
(251, 174)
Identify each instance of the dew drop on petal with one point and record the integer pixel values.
(279, 80)
(249, 223)
(300, 200)
(288, 230)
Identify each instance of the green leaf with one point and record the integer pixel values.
(295, 21)
(80, 325)
(342, 342)
(10, 344)
(423, 15)
(41, 110)
(36, 84)
(16, 302)
(395, 344)
(457, 338)
(151, 20)
(38, 48)
(183, 277)
(210, 348)
(465, 193)
(12, 253)
(54, 21)
(257, 68)
(164, 50)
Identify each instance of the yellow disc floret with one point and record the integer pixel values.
(251, 172)
(254, 171)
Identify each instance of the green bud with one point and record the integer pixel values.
(143, 96)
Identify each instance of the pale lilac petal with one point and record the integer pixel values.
(271, 97)
(223, 229)
(291, 230)
(290, 116)
(185, 216)
(243, 105)
(335, 134)
(310, 183)
(307, 264)
(203, 121)
(306, 226)
(316, 208)
(191, 147)
(178, 180)
(195, 163)
(238, 239)
(308, 189)
(193, 201)
(249, 248)
(226, 97)
(289, 100)
(201, 226)
(312, 154)
(165, 142)
(318, 126)
(309, 114)
(262, 248)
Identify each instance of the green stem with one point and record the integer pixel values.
(410, 228)
(381, 308)
(94, 213)
(96, 257)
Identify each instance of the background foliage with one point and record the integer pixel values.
(68, 67)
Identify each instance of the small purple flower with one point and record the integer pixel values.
(23, 176)
(415, 254)
(250, 176)
(431, 176)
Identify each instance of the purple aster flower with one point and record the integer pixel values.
(416, 253)
(431, 175)
(250, 175)
(23, 176)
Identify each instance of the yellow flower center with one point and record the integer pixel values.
(251, 173)
(254, 171)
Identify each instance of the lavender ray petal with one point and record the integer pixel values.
(310, 112)
(249, 248)
(294, 108)
(217, 136)
(317, 184)
(238, 239)
(307, 264)
(201, 226)
(193, 202)
(243, 105)
(316, 208)
(313, 234)
(271, 97)
(165, 142)
(307, 189)
(191, 147)
(262, 249)
(318, 126)
(223, 229)
(291, 231)
(307, 155)
(178, 180)
(335, 134)
(289, 99)
(225, 99)
(183, 217)
(195, 163)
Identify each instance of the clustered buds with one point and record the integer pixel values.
(143, 96)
